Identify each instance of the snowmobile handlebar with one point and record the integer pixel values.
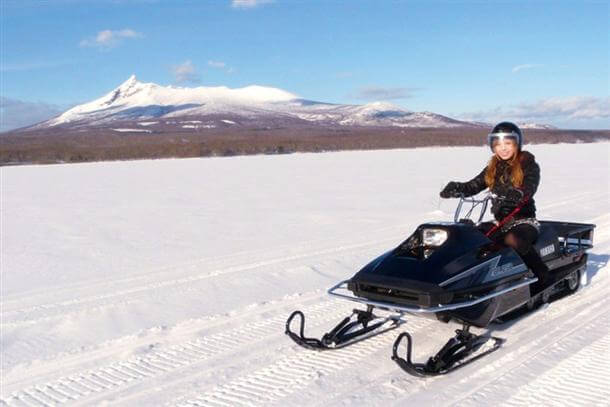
(475, 202)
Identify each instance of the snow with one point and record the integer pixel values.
(228, 121)
(166, 282)
(146, 123)
(198, 126)
(133, 130)
(536, 126)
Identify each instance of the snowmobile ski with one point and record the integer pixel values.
(458, 352)
(358, 326)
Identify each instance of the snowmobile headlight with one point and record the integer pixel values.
(434, 237)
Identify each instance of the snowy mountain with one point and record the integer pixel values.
(536, 126)
(149, 105)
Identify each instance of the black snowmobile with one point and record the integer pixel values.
(452, 271)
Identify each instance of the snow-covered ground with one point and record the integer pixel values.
(169, 281)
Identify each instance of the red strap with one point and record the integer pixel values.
(508, 217)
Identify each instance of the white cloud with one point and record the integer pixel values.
(577, 108)
(106, 39)
(525, 66)
(248, 3)
(382, 93)
(185, 72)
(217, 64)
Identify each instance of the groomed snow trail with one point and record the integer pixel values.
(176, 287)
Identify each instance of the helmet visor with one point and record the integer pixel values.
(496, 137)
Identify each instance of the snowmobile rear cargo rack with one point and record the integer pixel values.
(572, 237)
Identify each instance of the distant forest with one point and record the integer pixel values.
(55, 146)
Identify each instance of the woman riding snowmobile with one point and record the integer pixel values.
(512, 175)
(462, 271)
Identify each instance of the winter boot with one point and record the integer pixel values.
(533, 261)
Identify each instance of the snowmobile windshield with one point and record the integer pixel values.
(495, 137)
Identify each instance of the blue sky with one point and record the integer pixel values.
(542, 61)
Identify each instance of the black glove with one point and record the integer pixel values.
(502, 211)
(507, 199)
(504, 204)
(514, 195)
(507, 196)
(451, 190)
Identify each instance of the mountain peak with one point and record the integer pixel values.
(129, 82)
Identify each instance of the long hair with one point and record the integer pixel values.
(516, 171)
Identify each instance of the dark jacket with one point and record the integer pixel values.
(531, 179)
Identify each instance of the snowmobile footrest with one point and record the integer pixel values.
(346, 332)
(457, 352)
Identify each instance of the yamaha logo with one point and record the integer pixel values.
(545, 251)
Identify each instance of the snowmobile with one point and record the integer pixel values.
(452, 271)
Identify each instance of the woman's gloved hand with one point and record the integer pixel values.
(504, 204)
(451, 190)
(502, 211)
(513, 195)
(509, 196)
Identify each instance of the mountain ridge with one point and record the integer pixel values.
(134, 101)
(134, 104)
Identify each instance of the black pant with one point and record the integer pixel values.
(524, 236)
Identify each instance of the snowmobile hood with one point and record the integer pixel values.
(420, 266)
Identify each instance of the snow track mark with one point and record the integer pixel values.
(584, 364)
(290, 374)
(159, 362)
(18, 317)
(589, 367)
